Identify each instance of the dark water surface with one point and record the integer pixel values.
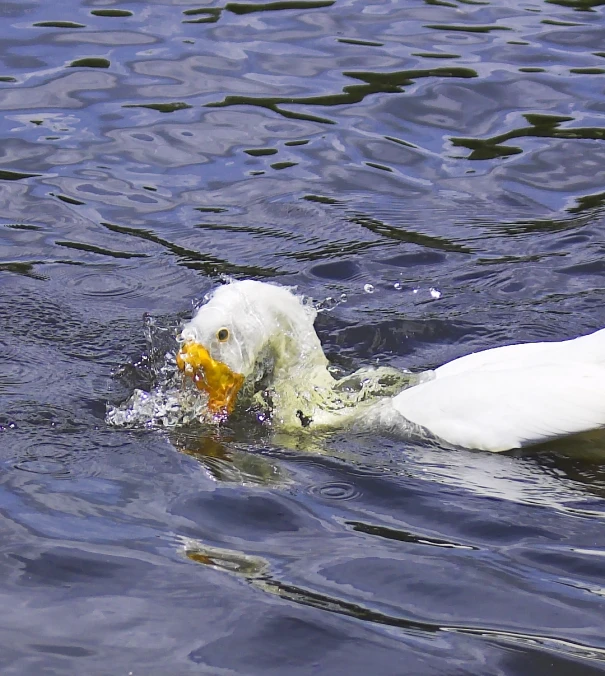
(449, 153)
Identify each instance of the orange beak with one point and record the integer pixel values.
(210, 376)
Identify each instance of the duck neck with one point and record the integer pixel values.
(300, 364)
(305, 396)
(296, 373)
(297, 389)
(302, 397)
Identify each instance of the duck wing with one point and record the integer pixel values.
(498, 408)
(588, 349)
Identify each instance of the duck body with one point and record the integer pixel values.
(513, 396)
(496, 400)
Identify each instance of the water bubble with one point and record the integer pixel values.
(326, 304)
(368, 288)
(343, 297)
(435, 293)
(398, 286)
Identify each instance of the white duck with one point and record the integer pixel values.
(254, 335)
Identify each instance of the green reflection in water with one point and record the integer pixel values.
(587, 71)
(467, 28)
(248, 8)
(375, 165)
(59, 24)
(441, 3)
(404, 536)
(400, 234)
(588, 202)
(211, 210)
(578, 5)
(401, 142)
(111, 12)
(391, 82)
(66, 199)
(436, 55)
(6, 175)
(362, 43)
(272, 103)
(283, 165)
(261, 152)
(90, 248)
(90, 62)
(553, 22)
(321, 199)
(22, 226)
(195, 260)
(25, 269)
(160, 107)
(542, 126)
(203, 14)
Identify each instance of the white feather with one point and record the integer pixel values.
(588, 349)
(501, 406)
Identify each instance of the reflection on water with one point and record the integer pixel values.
(150, 148)
(229, 461)
(256, 572)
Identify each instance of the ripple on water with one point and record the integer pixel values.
(37, 416)
(107, 282)
(15, 369)
(335, 490)
(44, 465)
(35, 451)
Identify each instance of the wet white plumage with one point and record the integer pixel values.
(495, 400)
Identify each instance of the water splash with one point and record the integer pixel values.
(329, 303)
(423, 295)
(161, 396)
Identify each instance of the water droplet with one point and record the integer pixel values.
(397, 286)
(368, 288)
(435, 293)
(343, 297)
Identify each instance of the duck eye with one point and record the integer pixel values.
(222, 335)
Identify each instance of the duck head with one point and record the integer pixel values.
(242, 324)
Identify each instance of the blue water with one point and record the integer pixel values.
(439, 163)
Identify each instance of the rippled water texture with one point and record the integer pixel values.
(441, 164)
